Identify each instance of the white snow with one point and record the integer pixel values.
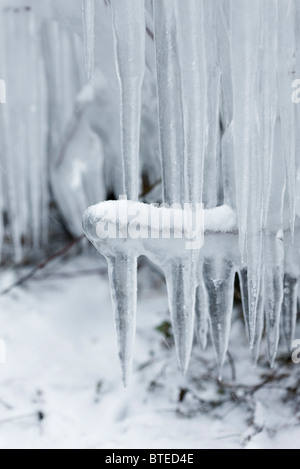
(220, 219)
(62, 361)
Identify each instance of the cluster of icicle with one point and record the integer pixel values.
(227, 131)
(48, 148)
(24, 195)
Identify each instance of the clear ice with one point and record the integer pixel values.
(227, 137)
(88, 18)
(184, 101)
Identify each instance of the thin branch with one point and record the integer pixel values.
(39, 415)
(149, 189)
(79, 273)
(42, 265)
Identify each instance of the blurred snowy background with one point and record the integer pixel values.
(61, 151)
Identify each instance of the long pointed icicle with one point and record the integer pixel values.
(225, 62)
(244, 54)
(190, 20)
(286, 74)
(260, 323)
(274, 275)
(36, 130)
(169, 100)
(181, 292)
(289, 308)
(274, 248)
(88, 17)
(248, 163)
(202, 314)
(129, 29)
(219, 276)
(172, 147)
(122, 270)
(228, 167)
(128, 18)
(211, 168)
(243, 276)
(190, 27)
(268, 93)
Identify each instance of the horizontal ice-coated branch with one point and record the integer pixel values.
(124, 230)
(220, 219)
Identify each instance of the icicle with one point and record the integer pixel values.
(260, 323)
(274, 248)
(274, 273)
(169, 100)
(268, 93)
(122, 265)
(224, 26)
(289, 308)
(129, 34)
(177, 123)
(88, 17)
(228, 167)
(190, 20)
(243, 276)
(202, 314)
(25, 132)
(122, 270)
(219, 276)
(181, 280)
(244, 53)
(128, 18)
(248, 162)
(290, 291)
(297, 107)
(211, 168)
(286, 76)
(37, 130)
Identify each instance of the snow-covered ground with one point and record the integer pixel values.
(61, 386)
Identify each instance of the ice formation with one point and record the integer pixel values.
(88, 17)
(224, 73)
(24, 189)
(182, 102)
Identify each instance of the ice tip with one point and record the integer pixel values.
(272, 362)
(125, 380)
(183, 365)
(126, 375)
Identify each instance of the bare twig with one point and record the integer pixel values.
(5, 404)
(147, 190)
(79, 273)
(39, 415)
(42, 265)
